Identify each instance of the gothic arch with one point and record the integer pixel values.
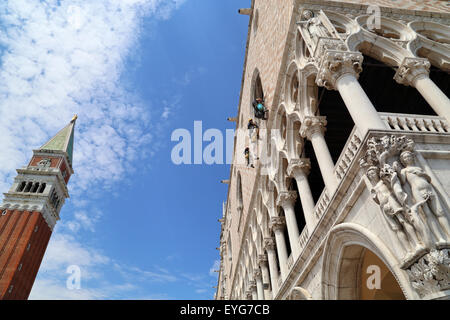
(339, 280)
(381, 47)
(257, 88)
(299, 293)
(432, 40)
(292, 87)
(309, 91)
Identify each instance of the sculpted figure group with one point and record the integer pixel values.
(405, 193)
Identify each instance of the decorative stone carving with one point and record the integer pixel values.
(286, 198)
(299, 165)
(299, 293)
(335, 64)
(44, 163)
(269, 244)
(423, 191)
(410, 69)
(405, 195)
(319, 33)
(431, 273)
(257, 273)
(262, 258)
(252, 285)
(277, 223)
(312, 125)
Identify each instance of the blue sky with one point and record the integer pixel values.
(138, 226)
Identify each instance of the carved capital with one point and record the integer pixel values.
(335, 64)
(312, 125)
(302, 165)
(262, 258)
(269, 244)
(431, 274)
(277, 223)
(286, 198)
(411, 69)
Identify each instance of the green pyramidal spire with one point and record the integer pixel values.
(63, 140)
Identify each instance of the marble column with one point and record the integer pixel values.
(339, 70)
(277, 225)
(259, 283)
(313, 128)
(269, 245)
(262, 262)
(252, 289)
(286, 199)
(415, 72)
(299, 169)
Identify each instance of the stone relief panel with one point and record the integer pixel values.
(407, 197)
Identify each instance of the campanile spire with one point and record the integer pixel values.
(30, 210)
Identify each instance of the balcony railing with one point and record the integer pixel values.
(303, 238)
(414, 122)
(322, 204)
(290, 261)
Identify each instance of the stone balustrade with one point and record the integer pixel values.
(412, 122)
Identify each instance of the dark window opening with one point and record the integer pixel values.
(315, 179)
(35, 187)
(286, 234)
(377, 80)
(299, 215)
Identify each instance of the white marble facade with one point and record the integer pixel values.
(388, 193)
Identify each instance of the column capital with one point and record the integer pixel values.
(286, 198)
(269, 244)
(335, 64)
(410, 69)
(257, 273)
(277, 223)
(302, 165)
(262, 258)
(313, 124)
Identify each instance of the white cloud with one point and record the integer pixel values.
(66, 57)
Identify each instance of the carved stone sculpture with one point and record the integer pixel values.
(422, 189)
(406, 196)
(431, 273)
(44, 163)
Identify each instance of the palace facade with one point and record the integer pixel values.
(340, 184)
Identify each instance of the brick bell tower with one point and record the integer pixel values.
(30, 211)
